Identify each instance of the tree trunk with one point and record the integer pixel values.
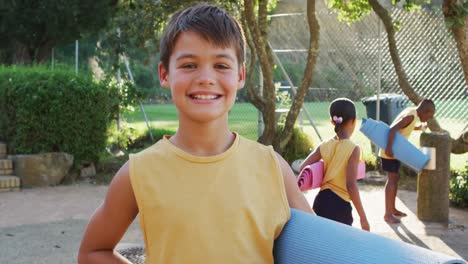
(258, 31)
(257, 34)
(459, 33)
(252, 93)
(44, 51)
(405, 86)
(24, 54)
(459, 145)
(383, 14)
(283, 138)
(21, 53)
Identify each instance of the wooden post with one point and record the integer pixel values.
(433, 185)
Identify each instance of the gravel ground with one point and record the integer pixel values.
(45, 225)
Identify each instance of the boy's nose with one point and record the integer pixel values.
(206, 77)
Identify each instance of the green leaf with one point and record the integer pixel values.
(449, 23)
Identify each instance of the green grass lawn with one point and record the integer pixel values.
(243, 118)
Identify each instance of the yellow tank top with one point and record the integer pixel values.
(335, 154)
(406, 131)
(226, 208)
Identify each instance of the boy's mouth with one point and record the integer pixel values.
(204, 96)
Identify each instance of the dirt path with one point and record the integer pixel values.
(45, 225)
(451, 240)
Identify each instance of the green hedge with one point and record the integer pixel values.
(299, 147)
(46, 111)
(459, 187)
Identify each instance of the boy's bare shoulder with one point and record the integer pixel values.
(249, 143)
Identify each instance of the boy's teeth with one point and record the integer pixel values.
(204, 96)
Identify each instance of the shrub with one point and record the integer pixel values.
(121, 139)
(459, 187)
(371, 161)
(144, 140)
(131, 139)
(109, 164)
(48, 111)
(298, 147)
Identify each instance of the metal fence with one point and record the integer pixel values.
(348, 63)
(354, 62)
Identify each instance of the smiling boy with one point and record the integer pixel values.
(205, 194)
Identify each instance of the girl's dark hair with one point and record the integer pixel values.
(213, 23)
(342, 109)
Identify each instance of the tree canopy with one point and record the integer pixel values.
(32, 28)
(456, 19)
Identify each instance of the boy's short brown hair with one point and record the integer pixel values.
(214, 24)
(427, 103)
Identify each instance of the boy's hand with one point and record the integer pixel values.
(423, 126)
(389, 152)
(404, 122)
(365, 224)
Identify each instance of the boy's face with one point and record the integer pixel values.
(426, 114)
(203, 78)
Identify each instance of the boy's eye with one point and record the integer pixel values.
(188, 66)
(222, 66)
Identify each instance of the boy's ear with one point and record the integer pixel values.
(241, 81)
(163, 76)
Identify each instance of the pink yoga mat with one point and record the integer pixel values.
(312, 175)
(361, 170)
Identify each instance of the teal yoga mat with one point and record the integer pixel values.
(312, 239)
(402, 149)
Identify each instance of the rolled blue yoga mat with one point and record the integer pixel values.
(402, 149)
(312, 239)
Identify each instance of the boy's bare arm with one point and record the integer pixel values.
(295, 197)
(109, 222)
(404, 122)
(314, 156)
